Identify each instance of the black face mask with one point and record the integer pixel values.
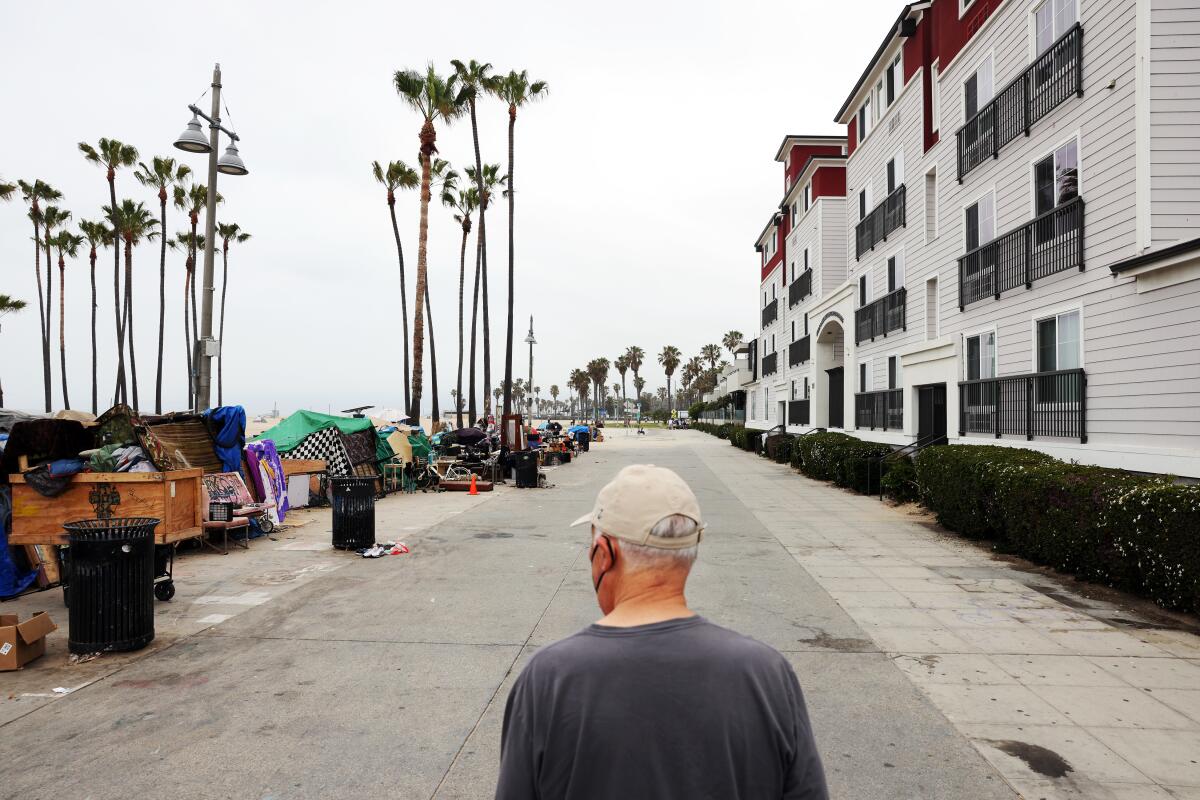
(611, 555)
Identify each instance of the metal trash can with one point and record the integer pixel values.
(525, 465)
(353, 512)
(111, 578)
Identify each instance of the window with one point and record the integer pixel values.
(806, 387)
(1056, 178)
(963, 5)
(980, 222)
(864, 377)
(772, 291)
(893, 79)
(931, 309)
(981, 356)
(893, 372)
(862, 290)
(864, 113)
(895, 172)
(766, 402)
(806, 323)
(977, 89)
(862, 205)
(793, 330)
(1051, 20)
(931, 226)
(1058, 342)
(879, 100)
(807, 195)
(793, 215)
(935, 103)
(895, 272)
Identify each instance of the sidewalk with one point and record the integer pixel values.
(1066, 697)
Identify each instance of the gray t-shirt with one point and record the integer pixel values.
(678, 709)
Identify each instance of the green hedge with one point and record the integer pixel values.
(845, 460)
(1133, 532)
(783, 446)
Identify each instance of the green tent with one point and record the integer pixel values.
(292, 429)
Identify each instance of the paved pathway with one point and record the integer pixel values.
(926, 664)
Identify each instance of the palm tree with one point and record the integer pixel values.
(554, 395)
(473, 78)
(639, 383)
(67, 244)
(515, 90)
(597, 371)
(34, 194)
(398, 175)
(669, 359)
(8, 305)
(580, 382)
(443, 180)
(712, 354)
(162, 174)
(496, 394)
(433, 97)
(189, 243)
(113, 155)
(732, 341)
(634, 355)
(7, 190)
(230, 232)
(192, 200)
(134, 223)
(96, 234)
(52, 218)
(463, 201)
(491, 181)
(621, 362)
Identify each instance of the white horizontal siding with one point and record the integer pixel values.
(1174, 120)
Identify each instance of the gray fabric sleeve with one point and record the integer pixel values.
(805, 778)
(518, 774)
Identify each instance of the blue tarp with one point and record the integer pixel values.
(11, 581)
(228, 426)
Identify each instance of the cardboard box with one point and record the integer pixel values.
(22, 642)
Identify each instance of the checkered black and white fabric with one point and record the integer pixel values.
(325, 444)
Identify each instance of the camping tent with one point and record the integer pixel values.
(292, 429)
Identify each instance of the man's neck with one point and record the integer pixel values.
(644, 605)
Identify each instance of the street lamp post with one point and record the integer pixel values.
(193, 141)
(531, 342)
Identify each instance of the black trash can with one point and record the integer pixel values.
(353, 512)
(525, 464)
(585, 440)
(111, 578)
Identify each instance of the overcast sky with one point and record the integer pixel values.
(643, 178)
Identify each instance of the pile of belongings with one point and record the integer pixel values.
(349, 446)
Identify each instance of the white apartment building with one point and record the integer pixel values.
(1013, 253)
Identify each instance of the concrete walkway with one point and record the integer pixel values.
(387, 678)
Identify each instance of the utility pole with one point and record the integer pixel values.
(531, 342)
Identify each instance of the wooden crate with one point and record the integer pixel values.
(173, 497)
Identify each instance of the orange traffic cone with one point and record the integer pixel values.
(473, 489)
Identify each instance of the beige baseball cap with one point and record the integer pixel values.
(639, 498)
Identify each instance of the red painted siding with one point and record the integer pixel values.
(799, 155)
(851, 135)
(829, 182)
(951, 34)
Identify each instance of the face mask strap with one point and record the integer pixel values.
(611, 555)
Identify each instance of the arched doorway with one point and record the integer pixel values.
(829, 359)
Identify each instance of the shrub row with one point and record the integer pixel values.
(1133, 532)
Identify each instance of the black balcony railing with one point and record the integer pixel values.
(799, 351)
(1045, 84)
(1049, 243)
(770, 312)
(798, 412)
(770, 364)
(881, 317)
(1039, 404)
(883, 409)
(800, 288)
(883, 219)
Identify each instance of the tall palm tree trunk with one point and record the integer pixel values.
(46, 376)
(403, 297)
(418, 341)
(462, 278)
(508, 338)
(436, 410)
(62, 327)
(129, 321)
(95, 396)
(121, 390)
(37, 268)
(195, 306)
(187, 325)
(221, 328)
(474, 320)
(162, 298)
(480, 272)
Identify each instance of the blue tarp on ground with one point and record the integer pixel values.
(12, 582)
